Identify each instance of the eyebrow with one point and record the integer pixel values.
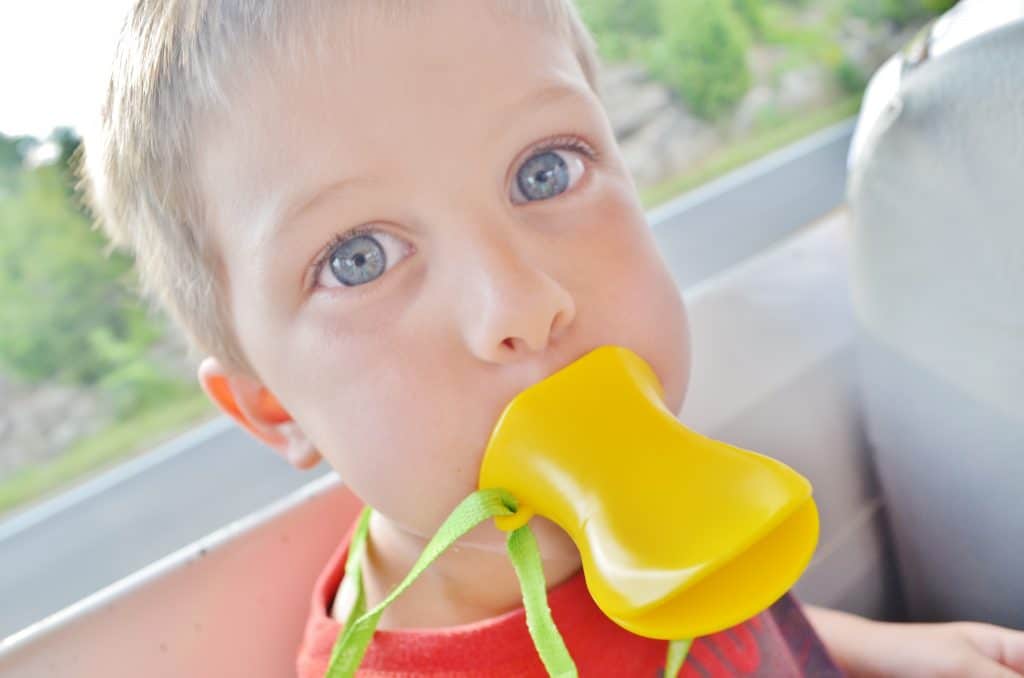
(548, 95)
(297, 206)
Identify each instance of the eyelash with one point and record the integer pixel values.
(569, 142)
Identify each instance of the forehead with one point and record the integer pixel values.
(449, 70)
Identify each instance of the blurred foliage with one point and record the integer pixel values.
(636, 17)
(701, 54)
(752, 14)
(938, 6)
(68, 142)
(10, 162)
(699, 47)
(850, 76)
(784, 27)
(69, 309)
(621, 26)
(898, 12)
(10, 158)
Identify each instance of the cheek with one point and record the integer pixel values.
(394, 424)
(658, 326)
(673, 350)
(640, 305)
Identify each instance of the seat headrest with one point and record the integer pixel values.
(936, 191)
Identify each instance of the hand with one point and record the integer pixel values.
(870, 649)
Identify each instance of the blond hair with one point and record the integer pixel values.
(173, 63)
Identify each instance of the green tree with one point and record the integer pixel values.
(68, 141)
(701, 54)
(619, 26)
(752, 14)
(10, 161)
(639, 17)
(938, 6)
(63, 302)
(898, 12)
(10, 158)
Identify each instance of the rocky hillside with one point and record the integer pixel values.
(659, 136)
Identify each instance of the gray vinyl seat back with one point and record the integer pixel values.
(936, 193)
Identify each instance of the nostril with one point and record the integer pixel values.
(509, 342)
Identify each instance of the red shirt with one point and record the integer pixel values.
(778, 642)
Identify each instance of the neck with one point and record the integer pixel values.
(471, 581)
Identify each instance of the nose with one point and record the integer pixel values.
(514, 307)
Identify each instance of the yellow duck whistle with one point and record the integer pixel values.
(680, 535)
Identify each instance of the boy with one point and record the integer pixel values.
(382, 221)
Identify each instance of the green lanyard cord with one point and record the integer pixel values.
(360, 624)
(522, 547)
(677, 650)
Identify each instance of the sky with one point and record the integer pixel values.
(52, 57)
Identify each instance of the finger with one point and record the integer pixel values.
(1002, 645)
(1011, 649)
(989, 668)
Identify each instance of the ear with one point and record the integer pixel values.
(254, 408)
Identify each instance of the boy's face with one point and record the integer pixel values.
(488, 265)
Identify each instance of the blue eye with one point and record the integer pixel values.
(543, 176)
(359, 257)
(358, 261)
(551, 171)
